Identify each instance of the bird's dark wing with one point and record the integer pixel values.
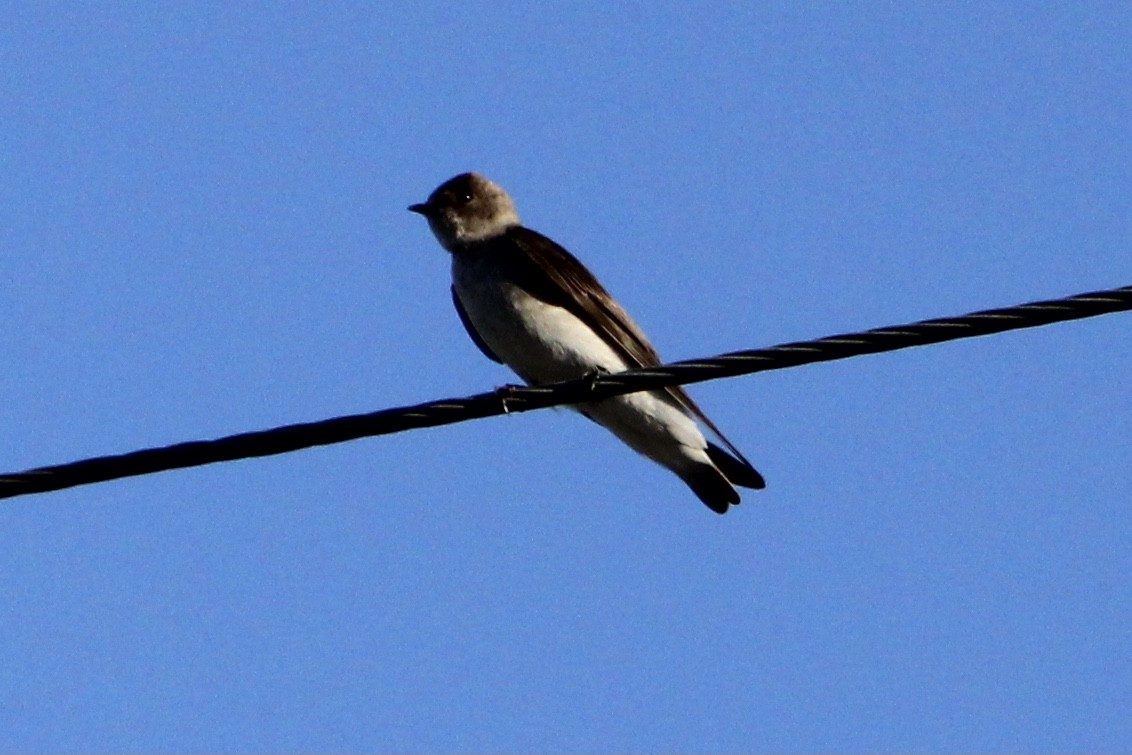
(475, 336)
(552, 274)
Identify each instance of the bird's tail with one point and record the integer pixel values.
(714, 483)
(711, 487)
(737, 471)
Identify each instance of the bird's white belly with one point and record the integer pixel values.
(543, 343)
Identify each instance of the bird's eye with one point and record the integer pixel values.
(463, 197)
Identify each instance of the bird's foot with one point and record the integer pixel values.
(591, 377)
(506, 393)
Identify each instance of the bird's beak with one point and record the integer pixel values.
(420, 209)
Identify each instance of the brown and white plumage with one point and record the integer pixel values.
(528, 303)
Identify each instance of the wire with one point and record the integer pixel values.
(513, 399)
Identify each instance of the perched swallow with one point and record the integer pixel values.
(528, 303)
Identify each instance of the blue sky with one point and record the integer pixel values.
(202, 217)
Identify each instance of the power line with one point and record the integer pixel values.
(521, 399)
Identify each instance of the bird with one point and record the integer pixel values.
(528, 303)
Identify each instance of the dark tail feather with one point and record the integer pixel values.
(711, 487)
(737, 472)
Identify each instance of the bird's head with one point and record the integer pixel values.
(467, 209)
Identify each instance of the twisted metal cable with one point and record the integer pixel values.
(514, 399)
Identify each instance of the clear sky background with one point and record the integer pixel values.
(203, 232)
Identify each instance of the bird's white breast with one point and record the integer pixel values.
(543, 343)
(539, 341)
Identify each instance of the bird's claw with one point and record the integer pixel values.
(506, 392)
(592, 376)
